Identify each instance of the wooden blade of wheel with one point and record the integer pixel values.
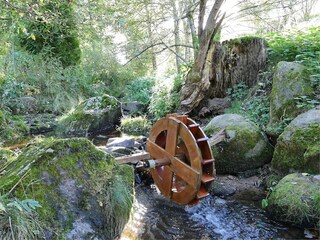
(184, 171)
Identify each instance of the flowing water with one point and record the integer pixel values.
(155, 217)
(214, 218)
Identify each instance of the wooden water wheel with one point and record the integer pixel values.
(184, 162)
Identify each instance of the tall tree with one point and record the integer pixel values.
(196, 83)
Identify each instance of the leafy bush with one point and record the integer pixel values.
(165, 96)
(135, 125)
(140, 90)
(54, 36)
(238, 92)
(300, 46)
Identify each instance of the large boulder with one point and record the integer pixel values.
(296, 200)
(95, 115)
(24, 105)
(245, 147)
(289, 82)
(298, 147)
(84, 194)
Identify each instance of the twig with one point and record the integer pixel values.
(11, 228)
(18, 181)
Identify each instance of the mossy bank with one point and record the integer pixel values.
(83, 192)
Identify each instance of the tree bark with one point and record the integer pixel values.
(196, 84)
(176, 34)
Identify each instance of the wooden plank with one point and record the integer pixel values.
(134, 158)
(218, 137)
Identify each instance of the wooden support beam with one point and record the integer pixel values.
(134, 158)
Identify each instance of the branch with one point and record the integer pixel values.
(165, 48)
(175, 53)
(137, 55)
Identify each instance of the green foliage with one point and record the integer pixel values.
(140, 90)
(306, 102)
(13, 129)
(166, 96)
(264, 203)
(54, 37)
(300, 46)
(135, 125)
(238, 92)
(18, 219)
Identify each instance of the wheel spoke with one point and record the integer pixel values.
(166, 183)
(185, 172)
(172, 137)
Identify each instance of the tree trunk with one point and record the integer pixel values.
(176, 34)
(196, 85)
(149, 29)
(226, 65)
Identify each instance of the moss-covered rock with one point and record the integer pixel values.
(296, 200)
(289, 82)
(245, 147)
(95, 115)
(298, 147)
(83, 192)
(135, 126)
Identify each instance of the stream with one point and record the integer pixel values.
(155, 217)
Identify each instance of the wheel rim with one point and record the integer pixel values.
(172, 139)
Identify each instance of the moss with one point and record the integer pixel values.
(299, 151)
(97, 114)
(6, 156)
(245, 147)
(100, 102)
(68, 178)
(289, 82)
(296, 200)
(13, 129)
(241, 44)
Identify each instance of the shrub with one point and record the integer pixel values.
(300, 46)
(135, 125)
(165, 96)
(140, 89)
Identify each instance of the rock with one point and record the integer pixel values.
(296, 201)
(132, 108)
(24, 105)
(298, 146)
(41, 123)
(289, 81)
(127, 142)
(245, 147)
(95, 115)
(215, 106)
(84, 194)
(118, 151)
